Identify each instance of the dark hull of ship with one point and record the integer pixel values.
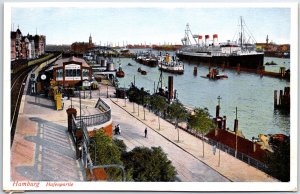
(149, 63)
(180, 72)
(253, 62)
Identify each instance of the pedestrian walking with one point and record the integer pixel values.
(146, 132)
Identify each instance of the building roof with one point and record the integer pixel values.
(244, 146)
(60, 62)
(13, 35)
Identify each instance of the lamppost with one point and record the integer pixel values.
(99, 91)
(80, 108)
(91, 89)
(219, 146)
(236, 130)
(133, 108)
(107, 91)
(125, 100)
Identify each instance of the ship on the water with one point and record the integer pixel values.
(146, 58)
(170, 64)
(231, 54)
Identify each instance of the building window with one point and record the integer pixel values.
(59, 74)
(85, 74)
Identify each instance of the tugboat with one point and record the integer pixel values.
(171, 65)
(214, 74)
(120, 73)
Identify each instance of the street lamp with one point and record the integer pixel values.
(99, 91)
(133, 107)
(219, 146)
(91, 89)
(107, 91)
(125, 100)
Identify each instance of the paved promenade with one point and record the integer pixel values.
(43, 149)
(186, 155)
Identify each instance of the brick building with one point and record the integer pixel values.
(72, 71)
(82, 47)
(26, 47)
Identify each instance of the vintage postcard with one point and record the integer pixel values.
(150, 96)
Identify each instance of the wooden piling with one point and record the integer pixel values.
(275, 98)
(280, 98)
(238, 68)
(170, 87)
(236, 122)
(195, 70)
(282, 71)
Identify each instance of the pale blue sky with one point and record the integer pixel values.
(150, 25)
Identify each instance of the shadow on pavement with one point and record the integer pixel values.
(55, 157)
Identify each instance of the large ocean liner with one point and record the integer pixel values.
(240, 53)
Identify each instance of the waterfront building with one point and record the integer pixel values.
(82, 47)
(15, 44)
(26, 47)
(72, 71)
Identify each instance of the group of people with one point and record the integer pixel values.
(118, 130)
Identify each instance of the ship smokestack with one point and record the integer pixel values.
(206, 40)
(215, 39)
(200, 40)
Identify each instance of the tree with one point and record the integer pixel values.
(146, 101)
(159, 105)
(177, 112)
(278, 162)
(149, 164)
(121, 145)
(107, 152)
(201, 122)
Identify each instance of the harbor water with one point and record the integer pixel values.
(250, 93)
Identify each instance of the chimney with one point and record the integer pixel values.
(224, 123)
(200, 40)
(206, 40)
(215, 39)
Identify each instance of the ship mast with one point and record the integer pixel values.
(241, 38)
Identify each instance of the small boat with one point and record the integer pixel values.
(129, 64)
(143, 72)
(214, 74)
(270, 63)
(124, 50)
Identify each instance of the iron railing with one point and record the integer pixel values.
(97, 119)
(241, 156)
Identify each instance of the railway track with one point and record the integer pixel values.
(17, 88)
(18, 83)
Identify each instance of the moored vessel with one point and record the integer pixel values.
(230, 54)
(170, 64)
